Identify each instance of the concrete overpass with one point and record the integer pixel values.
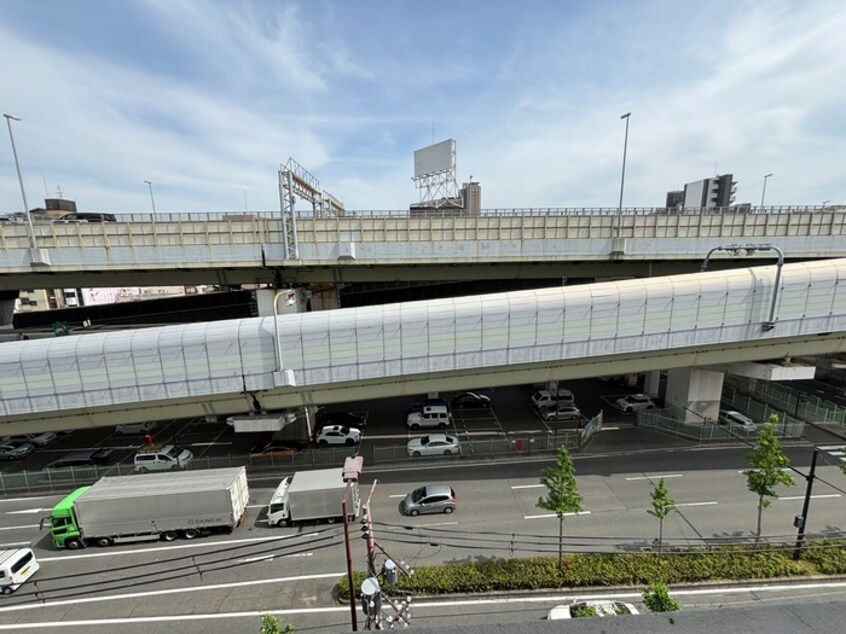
(704, 320)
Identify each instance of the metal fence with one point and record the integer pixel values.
(710, 431)
(786, 401)
(525, 445)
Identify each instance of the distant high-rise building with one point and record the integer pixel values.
(471, 194)
(675, 199)
(710, 193)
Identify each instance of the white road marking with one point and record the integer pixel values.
(256, 506)
(813, 497)
(249, 560)
(832, 447)
(419, 605)
(10, 544)
(837, 453)
(38, 510)
(179, 546)
(656, 477)
(208, 444)
(537, 517)
(401, 495)
(40, 497)
(712, 503)
(527, 486)
(158, 593)
(16, 528)
(425, 525)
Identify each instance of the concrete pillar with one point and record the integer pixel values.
(652, 384)
(694, 394)
(7, 308)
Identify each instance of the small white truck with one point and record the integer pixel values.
(313, 496)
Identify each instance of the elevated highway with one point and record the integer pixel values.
(257, 364)
(230, 249)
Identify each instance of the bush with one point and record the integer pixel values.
(617, 569)
(657, 598)
(828, 556)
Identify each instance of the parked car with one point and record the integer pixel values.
(429, 499)
(166, 458)
(84, 458)
(433, 445)
(134, 429)
(87, 217)
(15, 450)
(634, 403)
(39, 440)
(731, 417)
(471, 400)
(338, 435)
(561, 412)
(429, 416)
(347, 419)
(546, 398)
(597, 607)
(274, 446)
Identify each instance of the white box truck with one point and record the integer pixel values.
(150, 507)
(313, 496)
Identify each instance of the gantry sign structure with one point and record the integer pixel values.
(295, 180)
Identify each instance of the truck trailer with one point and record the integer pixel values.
(313, 496)
(151, 506)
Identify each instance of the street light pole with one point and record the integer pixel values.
(623, 176)
(152, 200)
(9, 119)
(764, 191)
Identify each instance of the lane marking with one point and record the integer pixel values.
(425, 525)
(832, 447)
(207, 444)
(527, 486)
(16, 528)
(656, 477)
(180, 546)
(813, 497)
(158, 593)
(14, 544)
(399, 495)
(39, 510)
(250, 560)
(697, 504)
(537, 517)
(40, 497)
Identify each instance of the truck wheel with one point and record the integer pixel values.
(282, 523)
(104, 541)
(73, 544)
(190, 533)
(448, 510)
(414, 512)
(168, 536)
(330, 520)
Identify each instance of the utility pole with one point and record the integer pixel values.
(800, 521)
(351, 473)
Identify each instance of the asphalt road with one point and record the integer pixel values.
(222, 583)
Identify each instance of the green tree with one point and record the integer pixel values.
(662, 506)
(272, 624)
(768, 462)
(562, 493)
(657, 598)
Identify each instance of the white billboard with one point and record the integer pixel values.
(435, 159)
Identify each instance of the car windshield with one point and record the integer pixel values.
(175, 451)
(425, 440)
(418, 494)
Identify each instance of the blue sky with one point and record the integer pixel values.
(207, 99)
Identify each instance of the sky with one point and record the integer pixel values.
(206, 100)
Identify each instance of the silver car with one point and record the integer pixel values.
(561, 412)
(15, 450)
(430, 499)
(433, 445)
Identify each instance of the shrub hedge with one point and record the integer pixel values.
(616, 569)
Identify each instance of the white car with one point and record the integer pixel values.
(731, 417)
(338, 435)
(39, 440)
(433, 445)
(134, 429)
(634, 403)
(599, 607)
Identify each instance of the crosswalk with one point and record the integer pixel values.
(836, 451)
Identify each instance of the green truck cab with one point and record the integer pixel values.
(64, 527)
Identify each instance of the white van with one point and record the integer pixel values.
(16, 566)
(544, 398)
(162, 458)
(429, 417)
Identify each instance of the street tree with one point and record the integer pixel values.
(768, 463)
(562, 493)
(662, 506)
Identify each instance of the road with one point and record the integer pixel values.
(222, 583)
